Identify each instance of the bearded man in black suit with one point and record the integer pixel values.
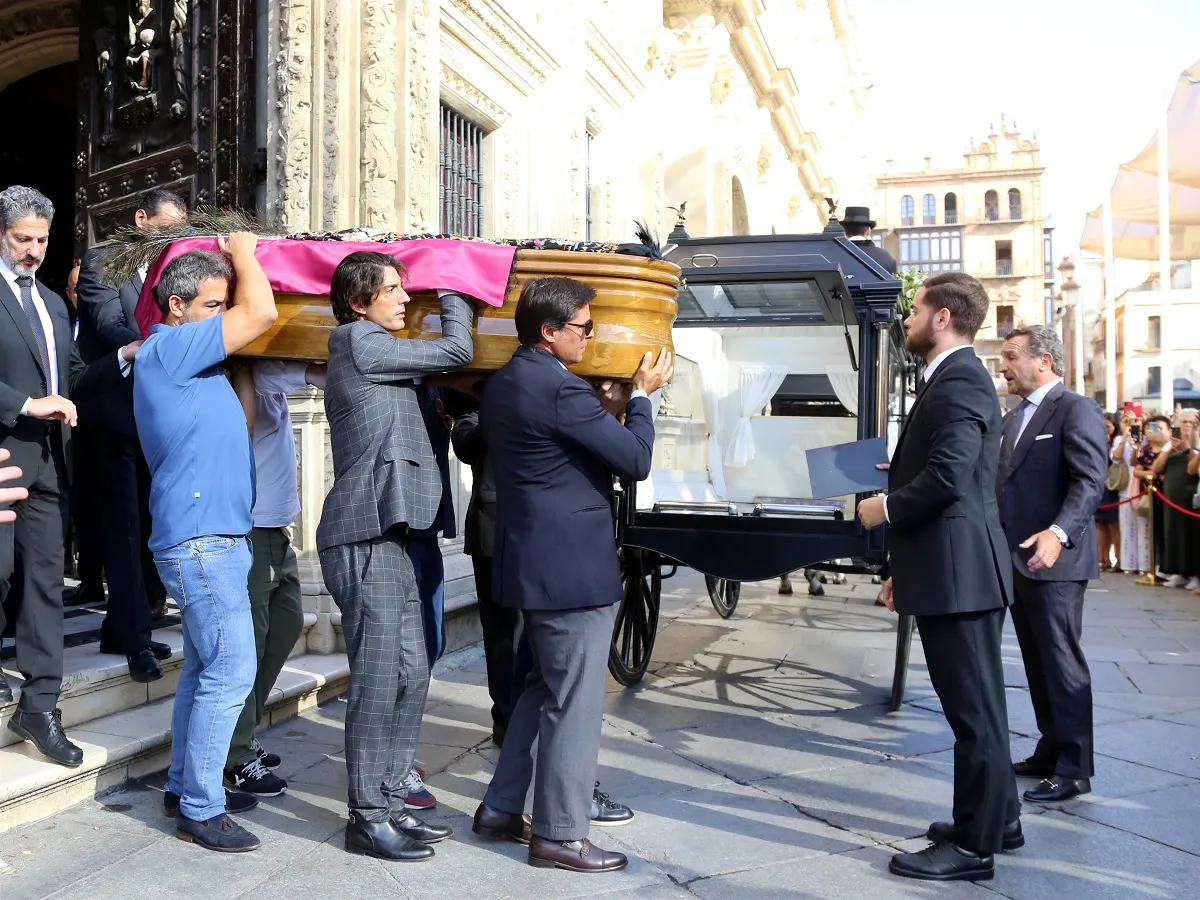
(951, 570)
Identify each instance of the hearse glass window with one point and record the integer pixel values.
(750, 299)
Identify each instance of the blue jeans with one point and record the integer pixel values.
(425, 553)
(208, 578)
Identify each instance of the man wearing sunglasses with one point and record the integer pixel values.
(555, 450)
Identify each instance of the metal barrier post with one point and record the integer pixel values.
(1151, 579)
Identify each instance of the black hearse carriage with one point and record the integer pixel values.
(801, 327)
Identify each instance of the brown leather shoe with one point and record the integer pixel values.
(491, 823)
(574, 856)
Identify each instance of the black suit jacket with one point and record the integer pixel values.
(554, 451)
(479, 533)
(1056, 477)
(948, 553)
(106, 323)
(878, 254)
(21, 377)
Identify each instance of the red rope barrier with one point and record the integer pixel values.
(1157, 493)
(1177, 507)
(1122, 502)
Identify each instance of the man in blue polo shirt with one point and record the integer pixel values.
(194, 433)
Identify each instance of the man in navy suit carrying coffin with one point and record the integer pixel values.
(555, 450)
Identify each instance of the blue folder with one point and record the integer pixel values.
(847, 468)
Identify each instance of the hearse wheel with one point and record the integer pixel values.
(724, 594)
(636, 624)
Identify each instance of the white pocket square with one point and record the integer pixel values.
(1043, 437)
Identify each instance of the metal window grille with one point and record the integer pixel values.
(460, 161)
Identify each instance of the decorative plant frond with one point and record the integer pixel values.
(649, 240)
(131, 248)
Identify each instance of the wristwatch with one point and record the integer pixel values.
(1059, 533)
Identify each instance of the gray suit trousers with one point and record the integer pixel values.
(373, 584)
(561, 708)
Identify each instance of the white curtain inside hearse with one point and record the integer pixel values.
(712, 439)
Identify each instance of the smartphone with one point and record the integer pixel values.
(1177, 432)
(1135, 432)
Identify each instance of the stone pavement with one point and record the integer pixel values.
(758, 754)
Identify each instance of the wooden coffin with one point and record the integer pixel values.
(634, 310)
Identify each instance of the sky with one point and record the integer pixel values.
(1090, 77)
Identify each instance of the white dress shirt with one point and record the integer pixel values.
(10, 277)
(277, 499)
(1035, 400)
(44, 314)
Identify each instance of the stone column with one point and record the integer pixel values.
(398, 115)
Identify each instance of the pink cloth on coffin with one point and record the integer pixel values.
(472, 268)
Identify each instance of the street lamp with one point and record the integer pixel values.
(1070, 295)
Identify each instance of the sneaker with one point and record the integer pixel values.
(606, 812)
(255, 778)
(269, 760)
(418, 795)
(219, 833)
(1193, 583)
(236, 803)
(1176, 581)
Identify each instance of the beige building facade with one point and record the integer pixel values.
(525, 118)
(985, 218)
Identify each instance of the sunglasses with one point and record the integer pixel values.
(586, 329)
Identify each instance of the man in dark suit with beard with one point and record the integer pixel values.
(1052, 466)
(950, 568)
(39, 371)
(111, 469)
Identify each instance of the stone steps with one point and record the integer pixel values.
(124, 727)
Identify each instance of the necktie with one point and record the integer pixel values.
(1010, 435)
(25, 282)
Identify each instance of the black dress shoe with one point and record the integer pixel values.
(6, 694)
(606, 812)
(1055, 790)
(143, 667)
(1033, 768)
(491, 823)
(383, 840)
(235, 803)
(944, 861)
(46, 732)
(1014, 838)
(420, 830)
(160, 650)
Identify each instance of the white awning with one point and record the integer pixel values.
(1138, 240)
(1183, 134)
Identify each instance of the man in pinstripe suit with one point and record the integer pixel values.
(386, 484)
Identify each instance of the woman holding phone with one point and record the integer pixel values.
(1135, 527)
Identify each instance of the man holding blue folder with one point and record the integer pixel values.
(951, 570)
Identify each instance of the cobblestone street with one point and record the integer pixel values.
(758, 754)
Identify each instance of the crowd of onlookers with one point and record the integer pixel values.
(1140, 530)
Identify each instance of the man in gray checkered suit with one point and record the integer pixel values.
(386, 483)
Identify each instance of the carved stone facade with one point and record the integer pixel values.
(593, 115)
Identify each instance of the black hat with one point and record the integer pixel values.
(858, 215)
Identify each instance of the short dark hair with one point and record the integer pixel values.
(182, 276)
(1166, 420)
(155, 200)
(963, 295)
(358, 278)
(550, 303)
(855, 229)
